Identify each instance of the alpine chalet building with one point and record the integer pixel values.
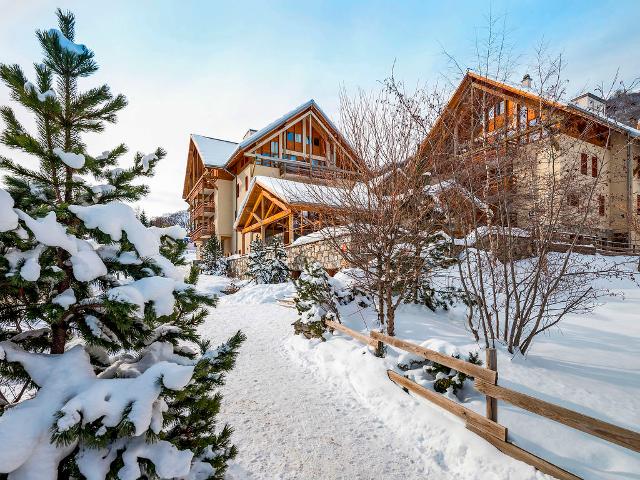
(239, 191)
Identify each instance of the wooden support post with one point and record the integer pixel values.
(492, 403)
(379, 347)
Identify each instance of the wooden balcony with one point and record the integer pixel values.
(204, 185)
(202, 232)
(203, 210)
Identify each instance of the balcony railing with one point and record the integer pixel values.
(203, 183)
(204, 230)
(203, 209)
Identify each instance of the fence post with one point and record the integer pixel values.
(492, 403)
(379, 348)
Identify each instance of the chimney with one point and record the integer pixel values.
(526, 81)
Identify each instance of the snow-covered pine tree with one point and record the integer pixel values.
(213, 259)
(98, 323)
(258, 268)
(315, 301)
(278, 264)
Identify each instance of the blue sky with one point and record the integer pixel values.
(219, 68)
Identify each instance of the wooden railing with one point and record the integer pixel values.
(486, 382)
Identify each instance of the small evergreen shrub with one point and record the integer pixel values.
(213, 260)
(315, 301)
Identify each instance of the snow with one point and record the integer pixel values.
(65, 299)
(30, 88)
(322, 234)
(8, 218)
(146, 159)
(214, 152)
(73, 160)
(334, 396)
(67, 44)
(587, 365)
(115, 217)
(103, 189)
(158, 290)
(30, 270)
(87, 265)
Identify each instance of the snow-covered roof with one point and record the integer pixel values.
(609, 121)
(213, 151)
(292, 192)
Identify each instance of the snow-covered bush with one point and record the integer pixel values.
(442, 378)
(213, 260)
(99, 325)
(315, 301)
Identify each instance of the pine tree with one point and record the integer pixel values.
(278, 265)
(315, 301)
(258, 267)
(144, 220)
(98, 324)
(213, 259)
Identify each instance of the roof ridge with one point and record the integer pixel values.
(213, 138)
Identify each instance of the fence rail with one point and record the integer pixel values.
(486, 382)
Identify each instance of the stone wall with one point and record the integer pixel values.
(320, 251)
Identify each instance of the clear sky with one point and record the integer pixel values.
(219, 68)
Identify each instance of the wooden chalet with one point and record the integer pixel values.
(226, 196)
(486, 119)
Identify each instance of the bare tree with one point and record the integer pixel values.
(380, 218)
(545, 173)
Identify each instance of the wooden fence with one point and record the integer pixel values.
(486, 382)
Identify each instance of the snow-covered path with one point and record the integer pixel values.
(289, 424)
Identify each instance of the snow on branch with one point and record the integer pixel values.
(73, 160)
(71, 395)
(115, 217)
(87, 265)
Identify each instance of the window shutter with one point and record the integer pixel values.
(584, 160)
(594, 166)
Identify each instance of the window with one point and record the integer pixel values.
(274, 148)
(584, 162)
(500, 108)
(638, 204)
(637, 170)
(298, 137)
(307, 140)
(289, 136)
(238, 190)
(246, 183)
(594, 166)
(573, 199)
(601, 205)
(316, 142)
(491, 113)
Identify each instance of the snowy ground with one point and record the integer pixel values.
(591, 364)
(302, 413)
